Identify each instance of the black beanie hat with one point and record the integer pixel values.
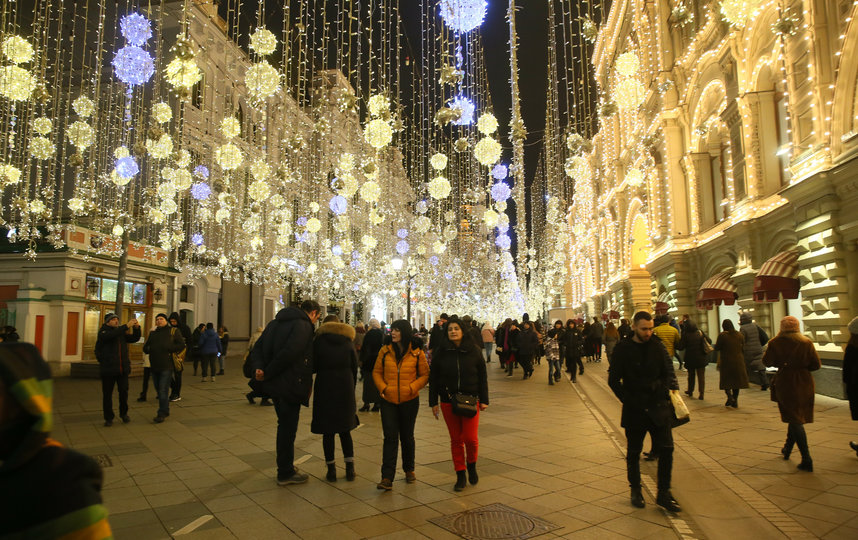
(162, 315)
(109, 317)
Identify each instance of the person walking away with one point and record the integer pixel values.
(223, 334)
(210, 348)
(850, 374)
(502, 345)
(731, 363)
(459, 369)
(334, 406)
(668, 335)
(360, 333)
(625, 329)
(265, 400)
(48, 490)
(436, 335)
(755, 339)
(283, 363)
(400, 371)
(512, 342)
(147, 372)
(552, 352)
(160, 345)
(470, 327)
(610, 339)
(176, 383)
(488, 335)
(527, 343)
(587, 342)
(372, 343)
(195, 346)
(596, 334)
(114, 364)
(641, 376)
(695, 344)
(795, 357)
(540, 339)
(574, 350)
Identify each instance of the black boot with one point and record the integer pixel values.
(666, 501)
(473, 477)
(249, 397)
(332, 473)
(365, 408)
(460, 481)
(350, 471)
(637, 498)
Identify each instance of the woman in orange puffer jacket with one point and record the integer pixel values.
(400, 372)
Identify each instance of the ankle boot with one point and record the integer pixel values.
(350, 471)
(637, 498)
(473, 477)
(332, 473)
(460, 481)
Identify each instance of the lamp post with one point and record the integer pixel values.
(397, 264)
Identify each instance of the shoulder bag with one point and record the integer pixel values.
(463, 404)
(178, 357)
(680, 410)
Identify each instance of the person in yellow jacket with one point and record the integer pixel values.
(668, 335)
(400, 372)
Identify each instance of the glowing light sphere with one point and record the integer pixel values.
(41, 148)
(126, 167)
(121, 152)
(263, 41)
(17, 49)
(314, 207)
(81, 134)
(76, 205)
(132, 65)
(169, 207)
(466, 106)
(434, 260)
(439, 188)
(221, 215)
(135, 28)
(438, 161)
(182, 179)
(629, 94)
(378, 133)
(346, 162)
(37, 207)
(337, 250)
(488, 151)
(501, 192)
(368, 241)
(487, 123)
(463, 15)
(422, 224)
(10, 174)
(500, 171)
(197, 239)
(378, 105)
(83, 106)
(262, 80)
(451, 232)
(314, 225)
(578, 167)
(375, 218)
(183, 73)
(183, 158)
(229, 156)
(16, 84)
(490, 218)
(627, 64)
(402, 247)
(118, 180)
(258, 190)
(370, 191)
(402, 233)
(230, 127)
(634, 177)
(43, 125)
(348, 185)
(118, 230)
(422, 207)
(162, 148)
(162, 112)
(439, 247)
(737, 12)
(201, 171)
(503, 221)
(260, 170)
(166, 190)
(503, 241)
(338, 205)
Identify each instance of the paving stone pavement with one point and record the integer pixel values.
(555, 452)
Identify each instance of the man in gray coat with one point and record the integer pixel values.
(755, 339)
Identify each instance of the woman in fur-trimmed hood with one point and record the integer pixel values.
(334, 405)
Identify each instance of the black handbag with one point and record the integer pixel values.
(464, 405)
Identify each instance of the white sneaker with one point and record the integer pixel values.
(212, 379)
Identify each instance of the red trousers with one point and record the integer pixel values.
(463, 436)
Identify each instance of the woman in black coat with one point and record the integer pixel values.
(574, 348)
(693, 343)
(459, 367)
(527, 343)
(334, 406)
(372, 343)
(850, 373)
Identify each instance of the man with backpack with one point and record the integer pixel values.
(114, 364)
(282, 363)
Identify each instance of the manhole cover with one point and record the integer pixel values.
(494, 521)
(103, 460)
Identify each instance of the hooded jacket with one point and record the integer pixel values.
(111, 349)
(457, 370)
(286, 356)
(160, 345)
(401, 381)
(335, 366)
(183, 328)
(209, 342)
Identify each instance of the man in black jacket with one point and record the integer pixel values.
(436, 335)
(111, 351)
(176, 383)
(641, 375)
(162, 342)
(283, 366)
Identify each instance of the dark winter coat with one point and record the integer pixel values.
(111, 349)
(692, 343)
(183, 328)
(755, 338)
(372, 343)
(641, 376)
(224, 343)
(596, 332)
(160, 345)
(195, 341)
(476, 335)
(731, 361)
(850, 378)
(574, 342)
(795, 357)
(335, 366)
(209, 342)
(436, 336)
(457, 370)
(527, 342)
(625, 331)
(286, 356)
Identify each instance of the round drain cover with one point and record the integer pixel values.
(493, 524)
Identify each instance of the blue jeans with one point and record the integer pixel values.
(161, 381)
(489, 348)
(553, 370)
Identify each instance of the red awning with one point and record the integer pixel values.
(717, 290)
(614, 314)
(778, 276)
(661, 304)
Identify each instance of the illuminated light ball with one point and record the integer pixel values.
(378, 133)
(260, 170)
(132, 65)
(83, 106)
(162, 148)
(169, 207)
(16, 84)
(10, 174)
(221, 215)
(503, 222)
(76, 205)
(118, 180)
(451, 232)
(81, 134)
(263, 41)
(183, 158)
(466, 106)
(135, 28)
(490, 217)
(301, 221)
(126, 167)
(375, 218)
(378, 104)
(230, 127)
(627, 64)
(501, 192)
(422, 207)
(314, 207)
(201, 171)
(402, 247)
(463, 15)
(487, 123)
(256, 242)
(422, 224)
(370, 191)
(500, 171)
(229, 157)
(43, 125)
(434, 260)
(17, 49)
(41, 148)
(276, 200)
(162, 112)
(182, 179)
(337, 250)
(503, 241)
(183, 73)
(402, 233)
(629, 94)
(166, 190)
(258, 190)
(421, 249)
(737, 12)
(346, 162)
(355, 264)
(118, 230)
(338, 204)
(368, 241)
(262, 80)
(578, 167)
(439, 247)
(156, 216)
(439, 188)
(314, 225)
(488, 151)
(37, 207)
(438, 161)
(450, 215)
(634, 177)
(349, 185)
(500, 205)
(197, 239)
(168, 173)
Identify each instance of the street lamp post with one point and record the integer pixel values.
(397, 264)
